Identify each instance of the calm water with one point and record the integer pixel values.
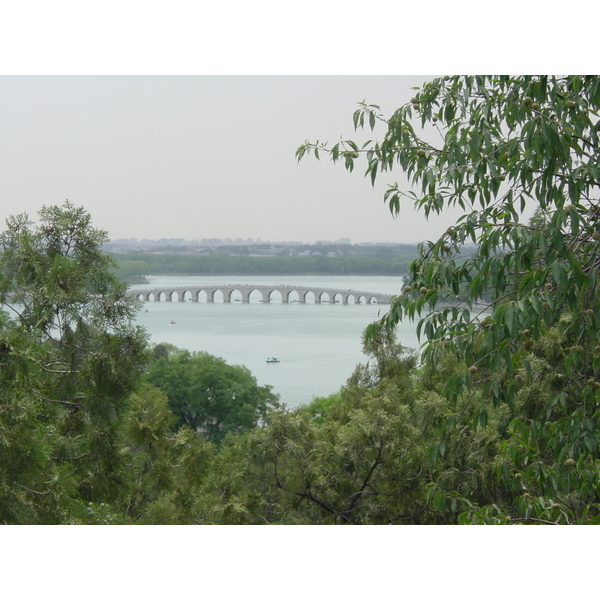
(318, 345)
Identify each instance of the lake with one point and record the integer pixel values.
(318, 345)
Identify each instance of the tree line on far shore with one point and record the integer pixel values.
(136, 266)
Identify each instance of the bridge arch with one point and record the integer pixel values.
(199, 296)
(292, 297)
(254, 296)
(275, 296)
(232, 295)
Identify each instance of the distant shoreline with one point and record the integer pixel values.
(144, 280)
(140, 265)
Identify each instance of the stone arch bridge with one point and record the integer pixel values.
(266, 293)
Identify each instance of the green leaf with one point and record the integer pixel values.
(560, 275)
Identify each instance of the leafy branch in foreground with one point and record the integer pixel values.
(519, 155)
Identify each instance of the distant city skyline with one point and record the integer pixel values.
(180, 240)
(184, 242)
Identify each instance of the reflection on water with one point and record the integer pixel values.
(318, 345)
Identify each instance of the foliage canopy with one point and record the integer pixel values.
(207, 394)
(520, 156)
(70, 357)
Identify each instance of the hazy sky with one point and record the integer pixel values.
(199, 156)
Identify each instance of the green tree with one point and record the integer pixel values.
(209, 395)
(163, 468)
(70, 358)
(386, 449)
(132, 270)
(501, 148)
(352, 459)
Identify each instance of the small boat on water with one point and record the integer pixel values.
(173, 322)
(273, 359)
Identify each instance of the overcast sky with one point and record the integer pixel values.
(200, 156)
(206, 155)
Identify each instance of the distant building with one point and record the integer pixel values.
(171, 242)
